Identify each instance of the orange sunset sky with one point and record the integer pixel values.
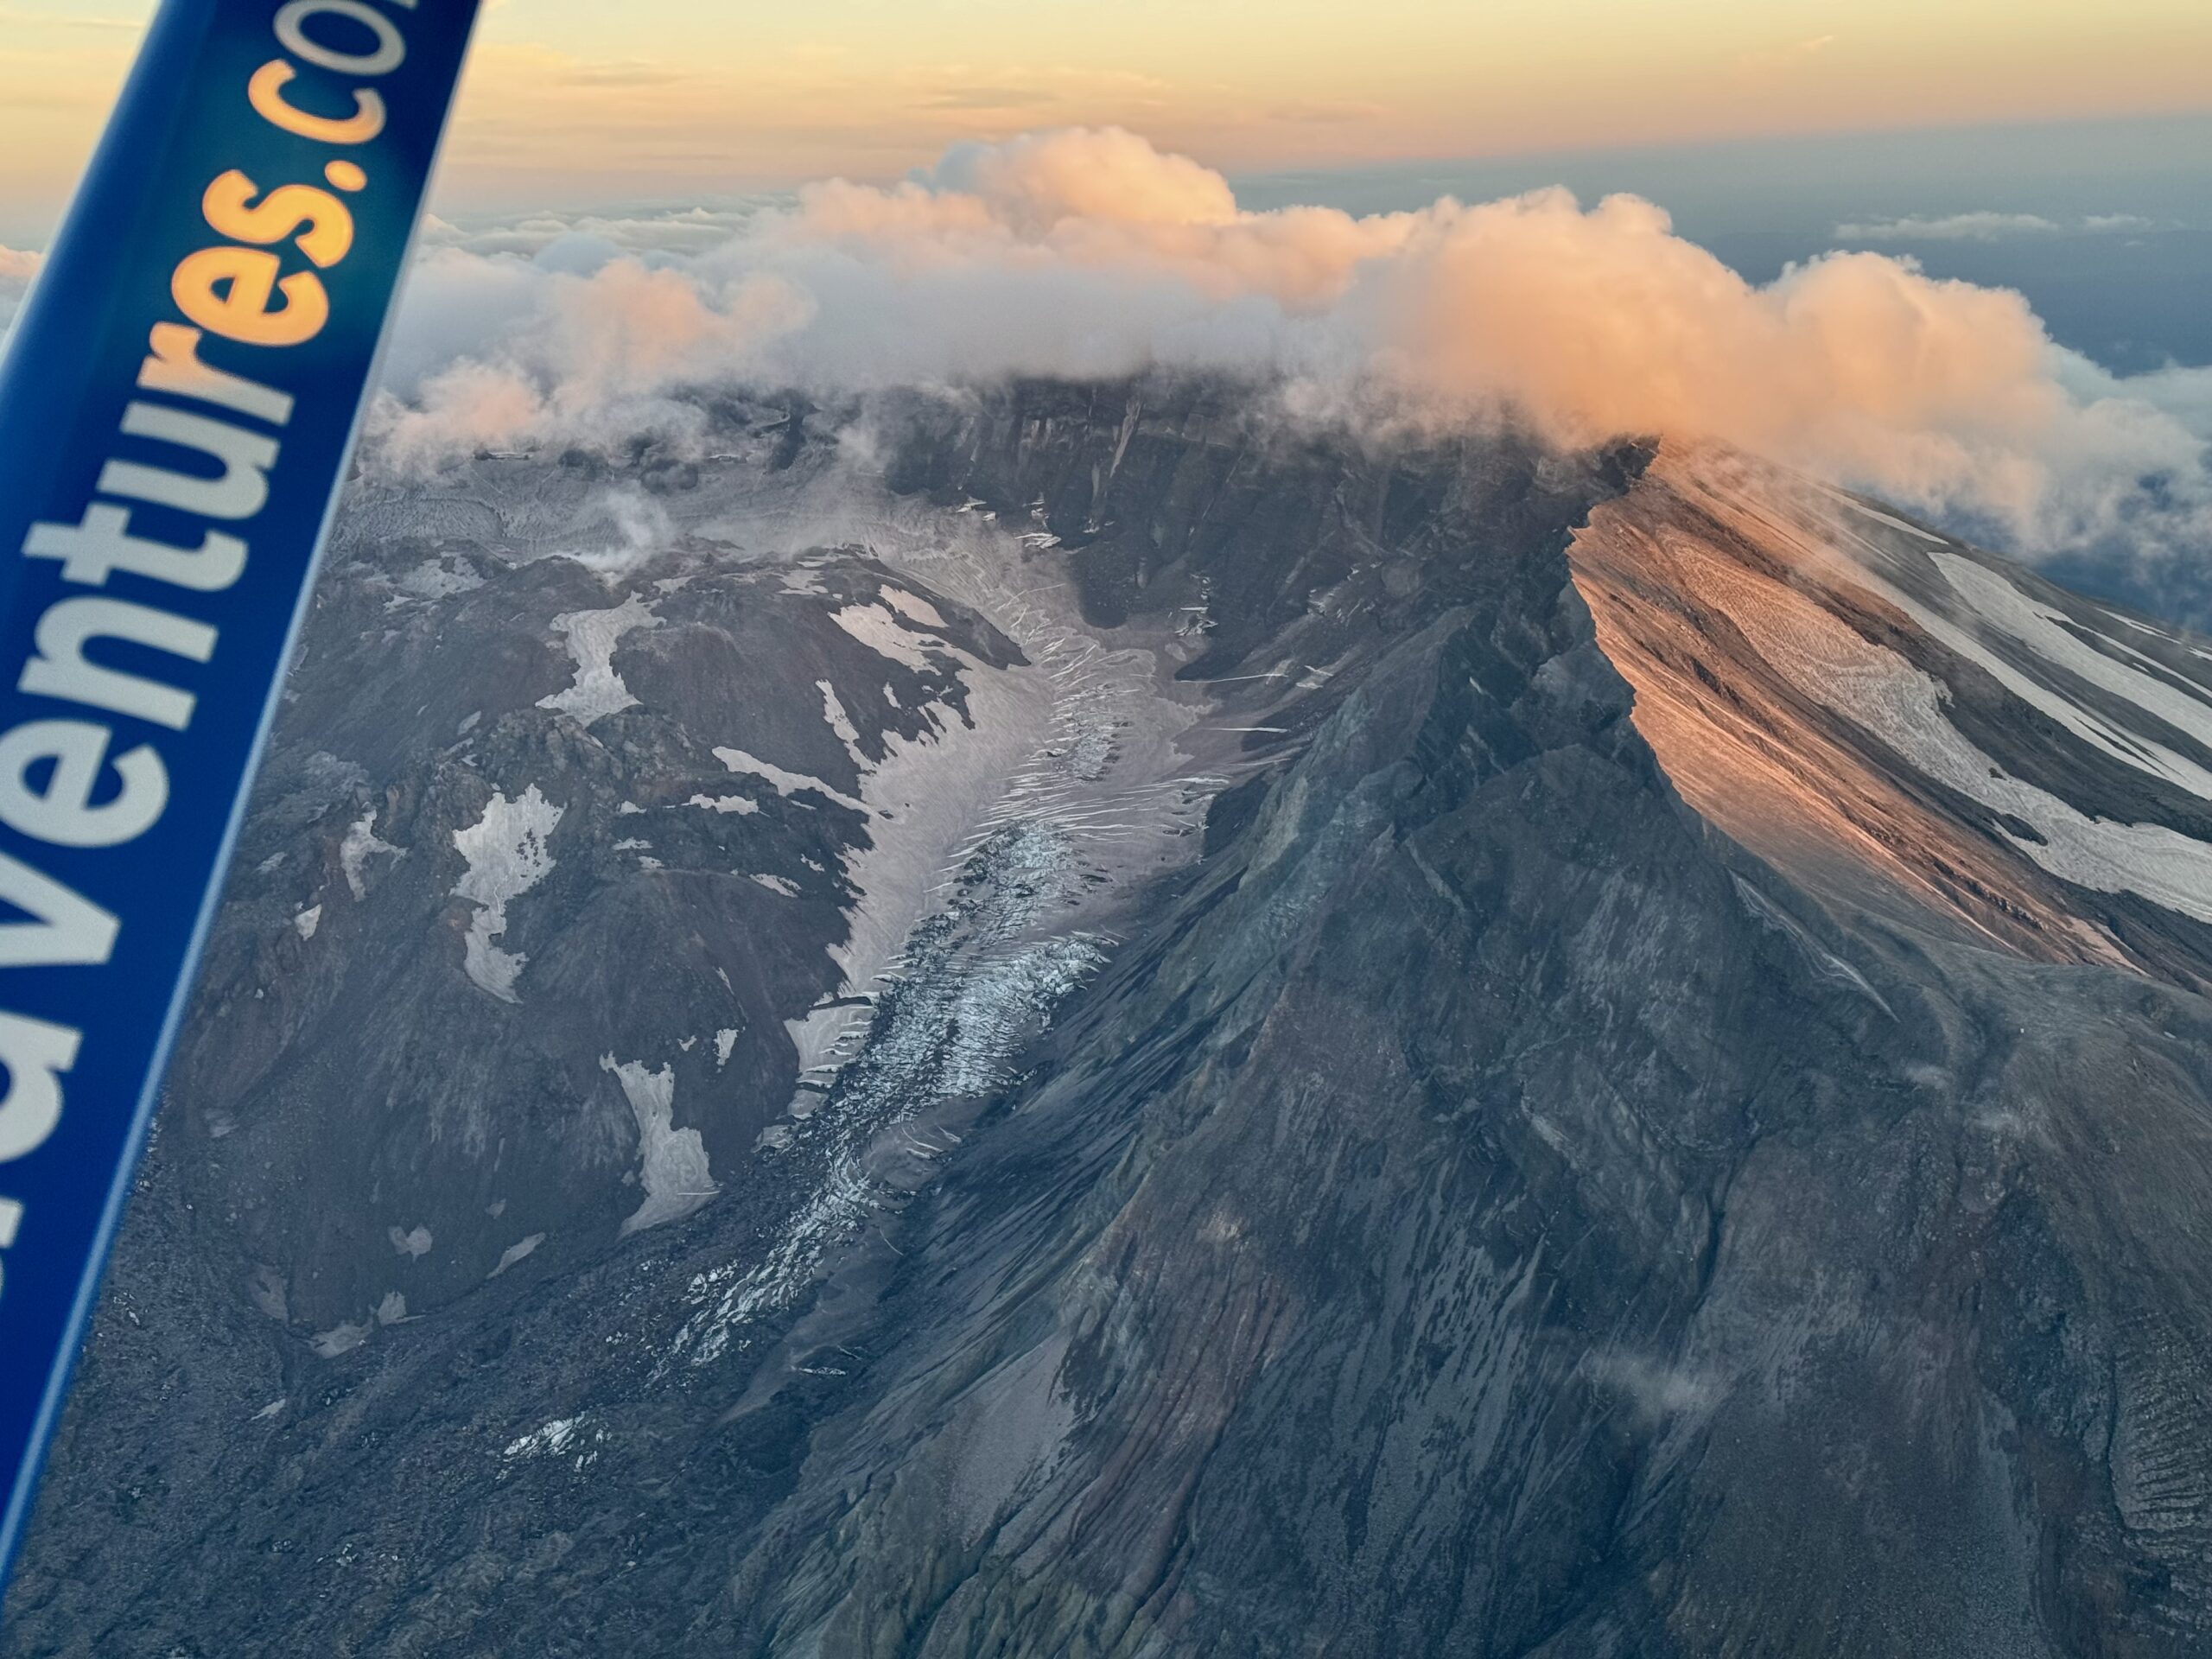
(573, 100)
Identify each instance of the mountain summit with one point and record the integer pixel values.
(1072, 1022)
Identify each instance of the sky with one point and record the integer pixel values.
(1956, 253)
(2105, 223)
(576, 101)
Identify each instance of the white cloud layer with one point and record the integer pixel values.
(1983, 226)
(1091, 253)
(1948, 227)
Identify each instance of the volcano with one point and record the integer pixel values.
(1081, 1020)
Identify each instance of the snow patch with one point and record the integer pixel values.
(740, 805)
(307, 921)
(361, 840)
(558, 1438)
(1996, 605)
(515, 1253)
(778, 884)
(878, 628)
(841, 722)
(1881, 518)
(507, 856)
(2039, 629)
(725, 1041)
(671, 1162)
(1878, 690)
(592, 636)
(414, 1244)
(908, 604)
(340, 1339)
(431, 579)
(785, 784)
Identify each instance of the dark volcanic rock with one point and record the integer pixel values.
(1378, 1121)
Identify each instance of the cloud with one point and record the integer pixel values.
(1789, 55)
(1654, 1391)
(989, 98)
(17, 269)
(1092, 254)
(651, 233)
(1953, 227)
(1981, 227)
(636, 72)
(1040, 181)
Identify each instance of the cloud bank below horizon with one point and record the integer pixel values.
(17, 269)
(1090, 254)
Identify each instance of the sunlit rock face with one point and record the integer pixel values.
(1073, 1021)
(1900, 721)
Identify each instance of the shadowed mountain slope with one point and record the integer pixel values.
(1298, 1046)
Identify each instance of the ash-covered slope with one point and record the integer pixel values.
(1273, 1045)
